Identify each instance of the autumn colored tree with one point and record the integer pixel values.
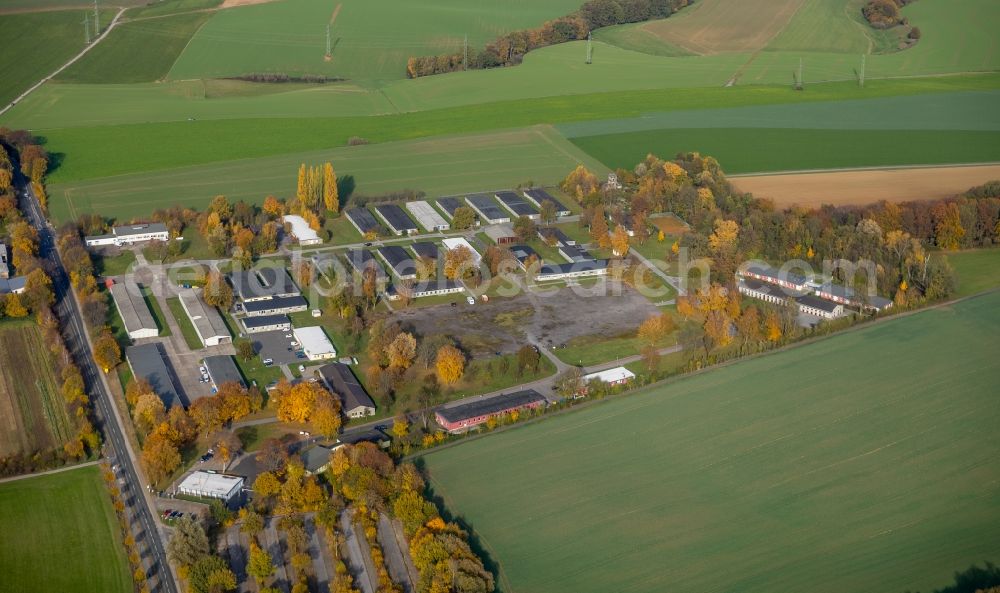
(301, 186)
(272, 207)
(160, 457)
(211, 574)
(217, 292)
(266, 484)
(464, 218)
(400, 427)
(524, 228)
(457, 262)
(107, 353)
(772, 326)
(227, 446)
(599, 228)
(547, 212)
(948, 229)
(402, 350)
(207, 414)
(656, 328)
(528, 358)
(620, 241)
(580, 183)
(298, 402)
(331, 198)
(450, 364)
(325, 418)
(259, 564)
(748, 325)
(149, 412)
(14, 307)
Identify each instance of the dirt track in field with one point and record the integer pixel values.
(714, 26)
(868, 186)
(235, 3)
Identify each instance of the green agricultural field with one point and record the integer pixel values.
(32, 413)
(370, 41)
(137, 51)
(35, 44)
(863, 462)
(977, 270)
(750, 150)
(61, 534)
(438, 166)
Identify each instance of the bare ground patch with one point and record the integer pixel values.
(866, 187)
(714, 26)
(236, 3)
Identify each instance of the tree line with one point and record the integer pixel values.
(509, 49)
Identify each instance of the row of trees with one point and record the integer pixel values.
(509, 49)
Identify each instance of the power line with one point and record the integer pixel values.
(863, 57)
(97, 20)
(86, 27)
(329, 48)
(589, 49)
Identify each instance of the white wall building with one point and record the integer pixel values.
(301, 230)
(135, 315)
(454, 242)
(128, 235)
(209, 485)
(314, 343)
(615, 376)
(427, 216)
(207, 322)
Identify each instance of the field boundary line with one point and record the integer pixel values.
(872, 168)
(166, 77)
(50, 471)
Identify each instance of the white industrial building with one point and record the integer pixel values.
(207, 322)
(455, 242)
(128, 235)
(211, 485)
(615, 376)
(136, 317)
(301, 230)
(427, 216)
(314, 343)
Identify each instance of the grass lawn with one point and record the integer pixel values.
(977, 270)
(437, 166)
(115, 265)
(32, 413)
(879, 477)
(254, 436)
(69, 539)
(154, 308)
(751, 150)
(595, 349)
(253, 370)
(187, 329)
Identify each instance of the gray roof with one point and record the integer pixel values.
(538, 195)
(492, 405)
(449, 205)
(361, 259)
(425, 249)
(574, 253)
(579, 266)
(523, 252)
(398, 259)
(847, 293)
(776, 274)
(771, 289)
(500, 231)
(132, 306)
(206, 319)
(223, 369)
(561, 238)
(140, 229)
(515, 203)
(146, 361)
(395, 217)
(262, 283)
(362, 219)
(315, 458)
(277, 303)
(265, 321)
(817, 303)
(14, 284)
(367, 436)
(487, 207)
(342, 381)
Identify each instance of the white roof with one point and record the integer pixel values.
(426, 215)
(611, 375)
(453, 242)
(300, 228)
(314, 341)
(213, 485)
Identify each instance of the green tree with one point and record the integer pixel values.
(211, 574)
(189, 544)
(464, 218)
(259, 566)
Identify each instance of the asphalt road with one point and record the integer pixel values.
(78, 342)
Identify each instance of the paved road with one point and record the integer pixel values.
(72, 60)
(108, 418)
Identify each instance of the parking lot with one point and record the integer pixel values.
(277, 347)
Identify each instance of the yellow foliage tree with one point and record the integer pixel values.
(107, 353)
(273, 207)
(450, 364)
(402, 350)
(331, 198)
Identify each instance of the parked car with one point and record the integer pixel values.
(166, 513)
(300, 355)
(470, 300)
(288, 335)
(302, 368)
(268, 362)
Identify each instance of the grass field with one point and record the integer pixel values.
(863, 462)
(438, 166)
(35, 44)
(749, 150)
(371, 41)
(184, 322)
(60, 534)
(977, 270)
(32, 414)
(137, 51)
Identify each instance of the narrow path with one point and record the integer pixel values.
(72, 61)
(673, 281)
(49, 472)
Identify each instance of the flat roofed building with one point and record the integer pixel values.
(132, 308)
(615, 376)
(421, 289)
(425, 249)
(522, 253)
(130, 234)
(399, 260)
(362, 220)
(301, 230)
(146, 362)
(765, 273)
(13, 285)
(573, 254)
(501, 234)
(427, 216)
(538, 195)
(487, 209)
(456, 242)
(266, 323)
(355, 401)
(554, 236)
(207, 322)
(211, 485)
(846, 296)
(813, 305)
(262, 284)
(361, 259)
(314, 343)
(448, 206)
(396, 219)
(516, 204)
(221, 370)
(468, 415)
(276, 306)
(581, 269)
(769, 293)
